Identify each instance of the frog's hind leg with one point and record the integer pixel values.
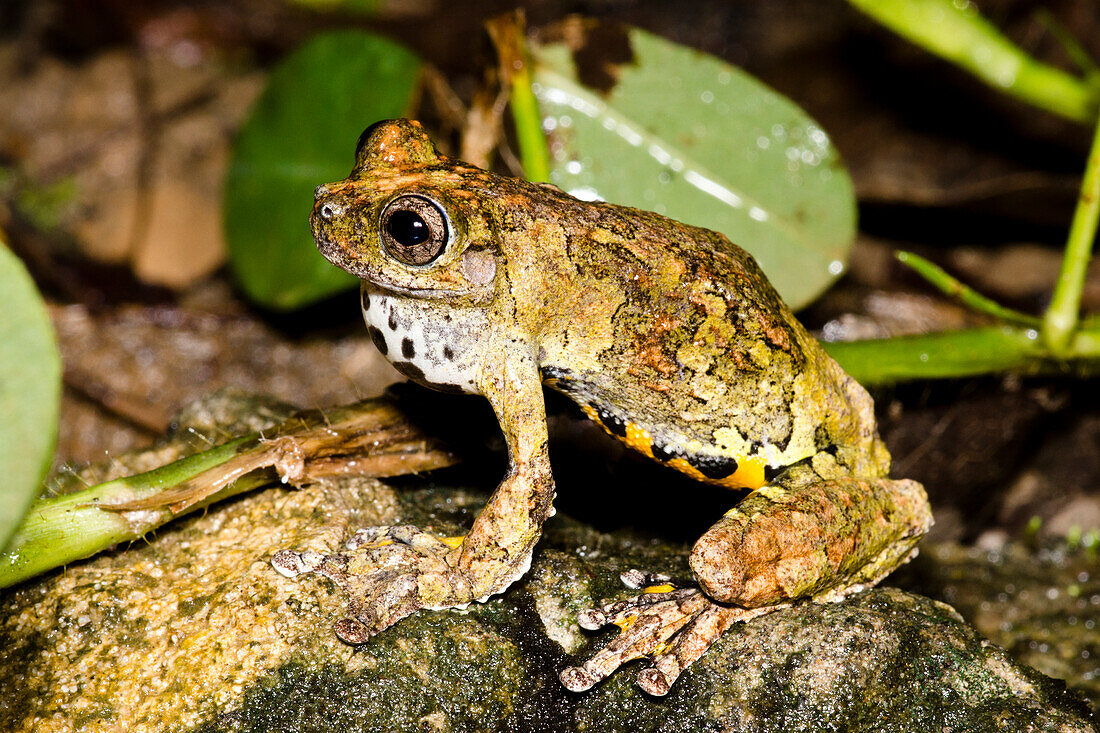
(670, 623)
(800, 537)
(807, 537)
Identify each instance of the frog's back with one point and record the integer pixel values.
(705, 368)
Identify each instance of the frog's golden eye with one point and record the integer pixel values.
(414, 229)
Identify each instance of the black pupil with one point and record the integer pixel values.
(407, 228)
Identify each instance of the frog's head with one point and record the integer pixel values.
(409, 219)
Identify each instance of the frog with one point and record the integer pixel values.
(666, 335)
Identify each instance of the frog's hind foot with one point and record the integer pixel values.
(669, 624)
(388, 573)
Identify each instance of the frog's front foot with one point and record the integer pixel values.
(388, 573)
(670, 624)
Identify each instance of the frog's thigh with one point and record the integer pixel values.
(808, 537)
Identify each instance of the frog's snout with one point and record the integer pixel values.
(326, 209)
(326, 219)
(330, 210)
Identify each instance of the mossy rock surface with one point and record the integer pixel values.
(193, 631)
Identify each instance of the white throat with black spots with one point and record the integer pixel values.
(434, 348)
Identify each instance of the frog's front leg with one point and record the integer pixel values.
(800, 537)
(497, 550)
(391, 572)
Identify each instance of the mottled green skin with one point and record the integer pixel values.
(667, 334)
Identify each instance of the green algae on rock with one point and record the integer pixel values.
(1042, 604)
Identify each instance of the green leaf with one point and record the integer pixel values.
(689, 136)
(30, 391)
(302, 133)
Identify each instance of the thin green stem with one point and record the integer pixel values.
(937, 355)
(964, 353)
(956, 32)
(1061, 317)
(1076, 52)
(368, 438)
(534, 154)
(1086, 344)
(966, 295)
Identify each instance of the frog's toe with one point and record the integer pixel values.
(694, 638)
(656, 589)
(388, 574)
(292, 564)
(404, 535)
(669, 624)
(380, 600)
(647, 622)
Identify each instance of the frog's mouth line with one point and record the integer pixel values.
(375, 286)
(337, 255)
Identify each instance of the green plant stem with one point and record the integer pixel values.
(368, 438)
(966, 295)
(1070, 45)
(938, 355)
(1061, 316)
(62, 529)
(956, 32)
(962, 354)
(533, 151)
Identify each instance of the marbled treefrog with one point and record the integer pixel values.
(667, 335)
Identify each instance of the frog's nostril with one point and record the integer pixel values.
(328, 211)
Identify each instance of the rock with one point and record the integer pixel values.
(1041, 603)
(193, 631)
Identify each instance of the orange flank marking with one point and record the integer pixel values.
(591, 412)
(639, 439)
(666, 588)
(749, 473)
(452, 541)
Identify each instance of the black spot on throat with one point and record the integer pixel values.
(365, 299)
(392, 322)
(448, 353)
(407, 349)
(416, 374)
(378, 339)
(410, 370)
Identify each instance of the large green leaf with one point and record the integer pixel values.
(30, 392)
(302, 133)
(689, 136)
